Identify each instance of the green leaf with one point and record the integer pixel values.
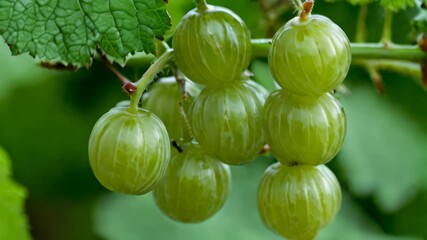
(69, 31)
(384, 154)
(13, 222)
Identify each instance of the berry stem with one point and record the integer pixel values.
(361, 24)
(147, 77)
(201, 5)
(387, 33)
(307, 6)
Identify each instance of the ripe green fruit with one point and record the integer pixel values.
(297, 201)
(302, 129)
(227, 122)
(212, 46)
(256, 87)
(129, 152)
(195, 186)
(310, 57)
(164, 100)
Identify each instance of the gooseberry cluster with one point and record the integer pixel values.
(305, 126)
(229, 121)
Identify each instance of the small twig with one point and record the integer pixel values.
(403, 67)
(184, 116)
(128, 87)
(376, 78)
(180, 79)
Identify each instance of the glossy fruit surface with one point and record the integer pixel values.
(310, 57)
(164, 98)
(129, 152)
(258, 88)
(297, 201)
(195, 186)
(212, 46)
(302, 129)
(227, 122)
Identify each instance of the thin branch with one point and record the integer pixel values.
(128, 86)
(110, 66)
(403, 67)
(261, 47)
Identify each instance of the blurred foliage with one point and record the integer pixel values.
(393, 5)
(133, 218)
(46, 117)
(386, 134)
(13, 221)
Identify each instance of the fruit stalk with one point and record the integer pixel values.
(387, 33)
(307, 6)
(201, 5)
(147, 77)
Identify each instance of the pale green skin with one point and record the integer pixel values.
(227, 122)
(302, 129)
(129, 152)
(213, 46)
(296, 202)
(164, 98)
(195, 186)
(311, 57)
(256, 87)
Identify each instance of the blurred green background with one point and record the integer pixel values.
(46, 117)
